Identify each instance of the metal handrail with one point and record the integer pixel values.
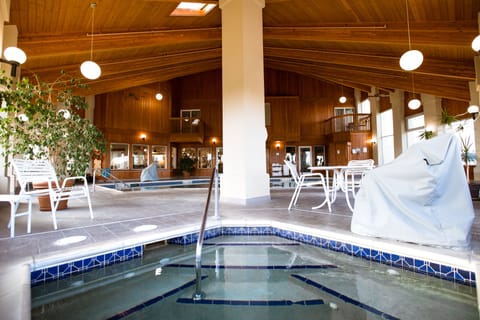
(198, 295)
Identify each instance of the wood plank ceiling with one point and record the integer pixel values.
(354, 43)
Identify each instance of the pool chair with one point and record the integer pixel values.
(28, 172)
(307, 180)
(353, 177)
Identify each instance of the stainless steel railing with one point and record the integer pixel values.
(198, 295)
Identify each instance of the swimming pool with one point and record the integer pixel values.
(252, 277)
(284, 182)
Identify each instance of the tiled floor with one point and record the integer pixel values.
(174, 212)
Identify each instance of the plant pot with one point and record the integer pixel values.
(44, 201)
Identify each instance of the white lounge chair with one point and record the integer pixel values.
(31, 171)
(353, 177)
(318, 181)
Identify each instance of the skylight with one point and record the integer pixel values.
(193, 9)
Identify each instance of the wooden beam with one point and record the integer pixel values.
(460, 70)
(452, 89)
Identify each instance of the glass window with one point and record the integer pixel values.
(364, 106)
(415, 129)
(119, 156)
(290, 154)
(319, 154)
(159, 156)
(386, 136)
(204, 158)
(140, 156)
(305, 158)
(343, 118)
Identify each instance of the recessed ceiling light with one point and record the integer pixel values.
(193, 9)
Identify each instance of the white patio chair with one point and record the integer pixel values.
(31, 171)
(300, 182)
(353, 177)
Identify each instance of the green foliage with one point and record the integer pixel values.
(447, 118)
(427, 134)
(187, 164)
(40, 121)
(465, 153)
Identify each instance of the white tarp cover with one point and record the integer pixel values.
(421, 197)
(149, 173)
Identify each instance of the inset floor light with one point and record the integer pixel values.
(145, 227)
(69, 240)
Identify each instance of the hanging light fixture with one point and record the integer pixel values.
(159, 96)
(90, 69)
(476, 44)
(412, 59)
(414, 103)
(342, 98)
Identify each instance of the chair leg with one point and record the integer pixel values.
(54, 205)
(13, 209)
(29, 214)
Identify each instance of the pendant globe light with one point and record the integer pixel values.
(90, 69)
(414, 103)
(342, 98)
(412, 59)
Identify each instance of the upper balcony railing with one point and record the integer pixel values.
(357, 122)
(186, 130)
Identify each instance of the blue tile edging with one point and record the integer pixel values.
(407, 263)
(82, 265)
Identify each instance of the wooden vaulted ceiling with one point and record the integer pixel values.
(353, 43)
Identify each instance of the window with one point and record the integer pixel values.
(364, 106)
(415, 128)
(140, 156)
(343, 118)
(190, 120)
(119, 156)
(386, 136)
(159, 156)
(204, 158)
(305, 158)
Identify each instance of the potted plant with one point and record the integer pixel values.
(467, 156)
(186, 165)
(42, 121)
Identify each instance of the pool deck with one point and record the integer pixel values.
(175, 212)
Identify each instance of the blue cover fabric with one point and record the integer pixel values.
(149, 173)
(421, 197)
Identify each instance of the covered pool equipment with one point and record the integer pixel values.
(420, 197)
(252, 277)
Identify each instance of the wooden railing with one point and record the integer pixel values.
(186, 130)
(357, 122)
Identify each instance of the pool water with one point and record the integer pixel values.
(252, 277)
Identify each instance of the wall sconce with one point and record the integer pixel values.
(14, 57)
(214, 141)
(373, 141)
(277, 145)
(143, 136)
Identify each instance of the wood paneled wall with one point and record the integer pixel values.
(298, 104)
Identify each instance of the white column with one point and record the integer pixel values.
(398, 113)
(432, 112)
(375, 111)
(245, 177)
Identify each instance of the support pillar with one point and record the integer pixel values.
(398, 113)
(245, 177)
